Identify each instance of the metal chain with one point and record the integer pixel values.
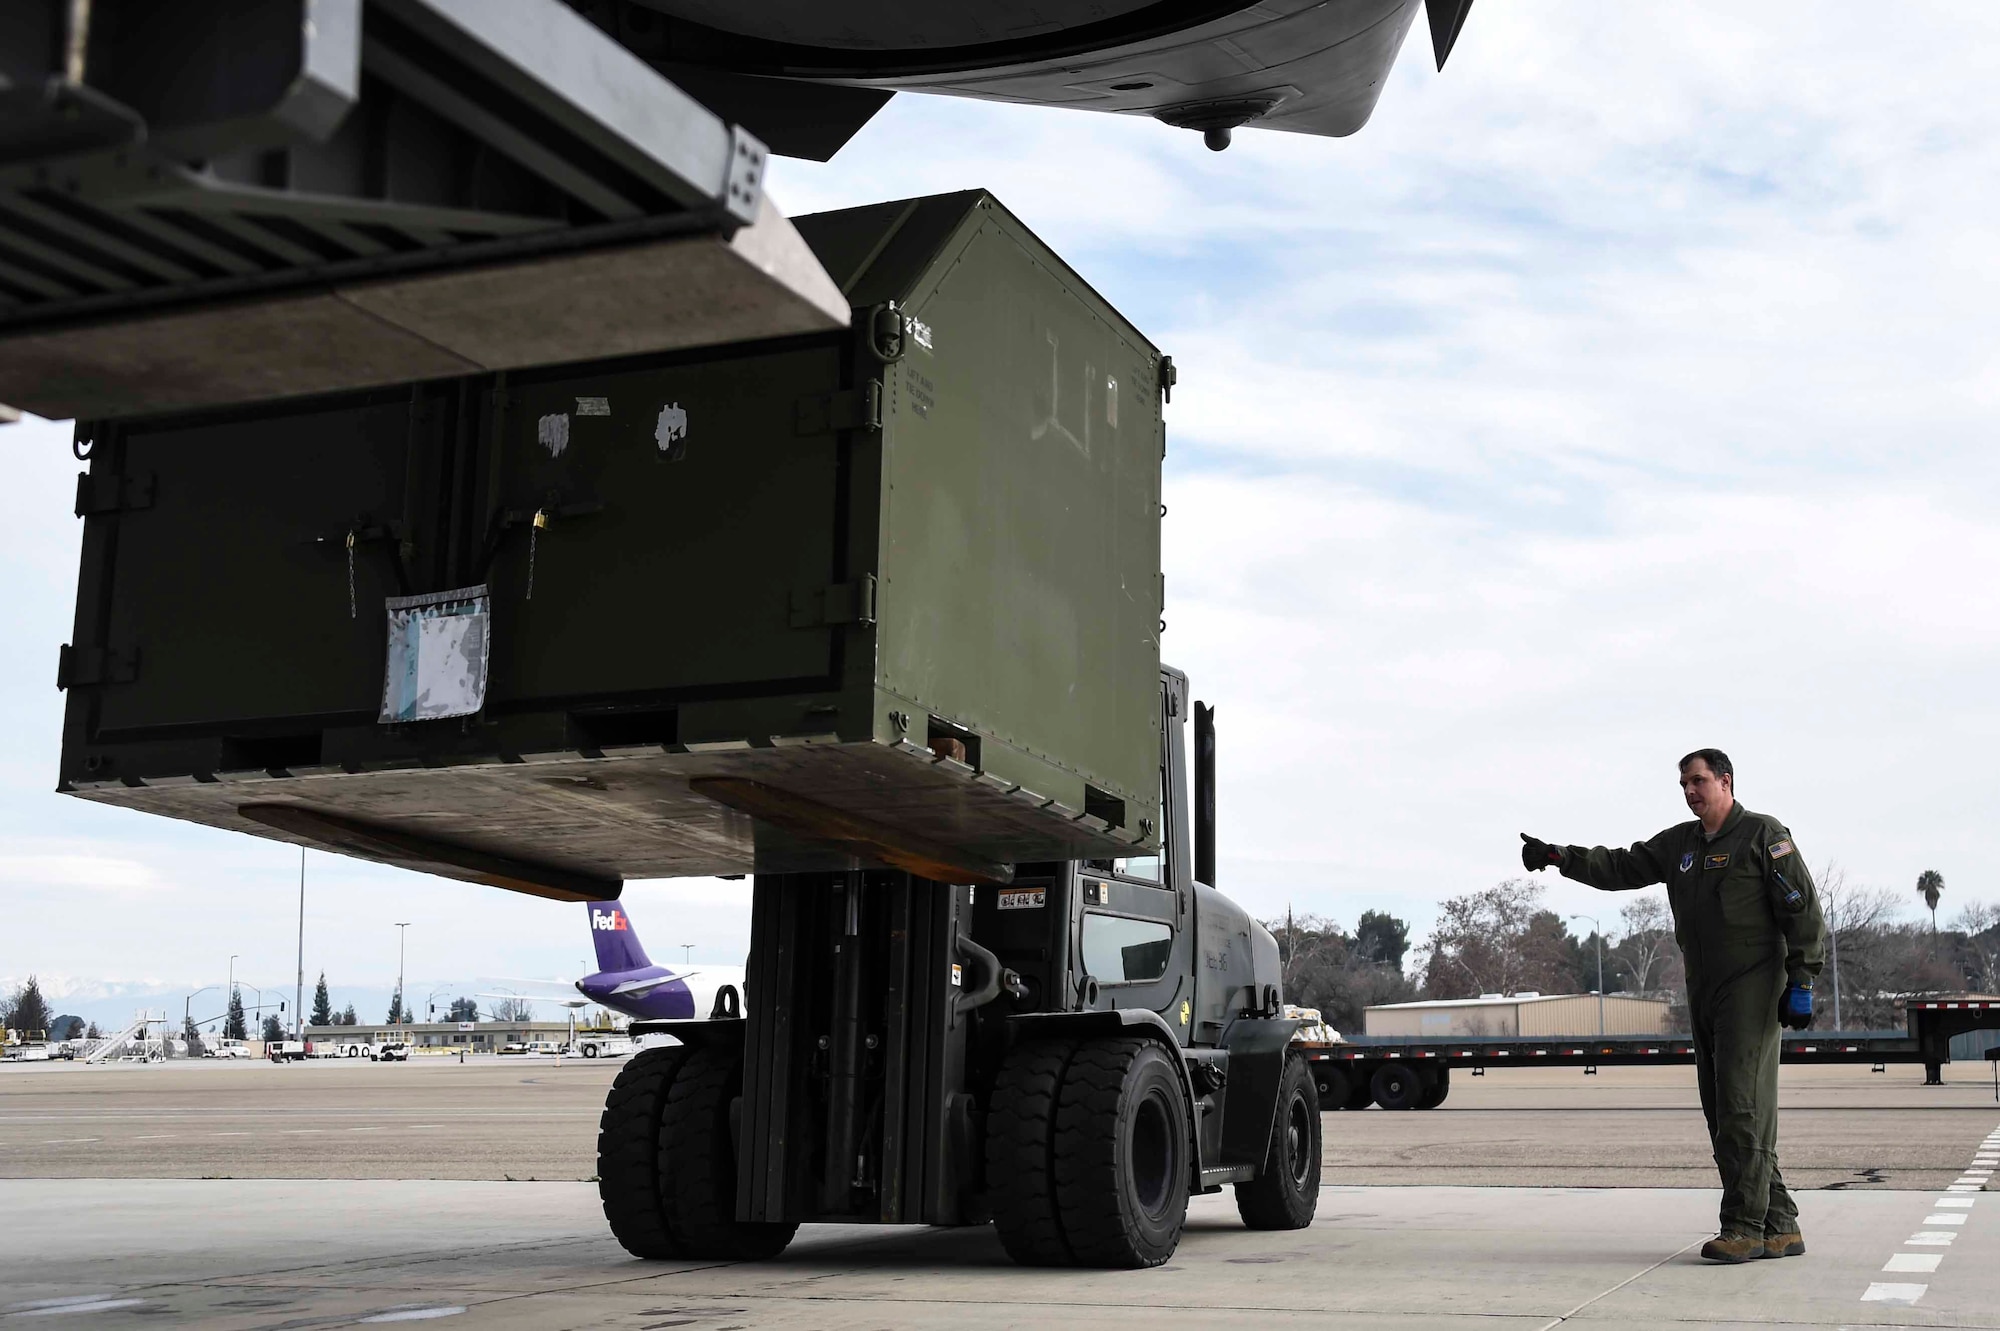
(350, 576)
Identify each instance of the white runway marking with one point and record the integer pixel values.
(89, 1303)
(1961, 1202)
(411, 1315)
(71, 1141)
(1944, 1219)
(1931, 1238)
(153, 1137)
(1882, 1292)
(1923, 1263)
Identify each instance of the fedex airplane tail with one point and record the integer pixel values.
(618, 947)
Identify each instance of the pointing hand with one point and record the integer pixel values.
(1538, 854)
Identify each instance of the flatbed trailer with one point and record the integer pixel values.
(1416, 1073)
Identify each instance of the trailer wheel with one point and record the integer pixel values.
(1285, 1192)
(1020, 1152)
(628, 1154)
(590, 1051)
(697, 1173)
(1437, 1090)
(1359, 1094)
(1397, 1086)
(1121, 1154)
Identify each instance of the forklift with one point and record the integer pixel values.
(1069, 1056)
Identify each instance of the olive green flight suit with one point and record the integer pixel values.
(1748, 922)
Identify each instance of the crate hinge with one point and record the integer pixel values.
(82, 667)
(850, 409)
(835, 604)
(97, 495)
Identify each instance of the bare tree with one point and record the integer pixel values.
(1979, 954)
(513, 1009)
(1649, 936)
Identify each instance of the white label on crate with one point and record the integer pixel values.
(1033, 898)
(593, 406)
(957, 976)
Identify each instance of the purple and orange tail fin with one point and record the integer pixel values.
(618, 947)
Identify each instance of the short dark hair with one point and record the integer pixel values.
(1717, 760)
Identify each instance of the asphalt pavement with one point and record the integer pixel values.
(332, 1194)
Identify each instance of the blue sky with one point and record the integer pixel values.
(1630, 387)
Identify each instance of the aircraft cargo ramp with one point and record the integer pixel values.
(210, 204)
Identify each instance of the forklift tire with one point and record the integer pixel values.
(628, 1154)
(697, 1175)
(1397, 1086)
(1122, 1153)
(1285, 1192)
(1020, 1152)
(1438, 1087)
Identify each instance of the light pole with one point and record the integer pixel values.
(687, 953)
(401, 927)
(187, 1014)
(299, 989)
(1597, 932)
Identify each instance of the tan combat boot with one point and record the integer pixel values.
(1790, 1243)
(1733, 1248)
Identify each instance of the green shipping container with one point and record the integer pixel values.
(887, 595)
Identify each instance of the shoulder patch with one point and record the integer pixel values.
(1780, 849)
(1687, 861)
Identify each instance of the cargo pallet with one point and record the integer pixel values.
(1416, 1074)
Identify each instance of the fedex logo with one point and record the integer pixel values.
(611, 921)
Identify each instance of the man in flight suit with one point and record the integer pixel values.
(1750, 932)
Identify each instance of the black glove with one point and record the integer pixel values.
(1538, 854)
(1795, 1008)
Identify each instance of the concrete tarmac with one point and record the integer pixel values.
(110, 1222)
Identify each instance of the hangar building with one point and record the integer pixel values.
(1526, 1013)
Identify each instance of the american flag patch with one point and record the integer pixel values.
(1780, 849)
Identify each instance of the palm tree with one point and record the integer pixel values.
(1930, 886)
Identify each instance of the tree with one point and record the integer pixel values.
(1930, 886)
(1381, 938)
(274, 1029)
(91, 1032)
(1326, 969)
(192, 1036)
(1476, 945)
(28, 1011)
(322, 1013)
(1979, 955)
(1649, 937)
(463, 1009)
(348, 1017)
(513, 1009)
(234, 1027)
(396, 1014)
(65, 1027)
